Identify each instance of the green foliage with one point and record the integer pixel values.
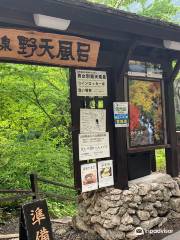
(161, 9)
(160, 159)
(114, 3)
(35, 127)
(178, 122)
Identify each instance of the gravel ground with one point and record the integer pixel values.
(66, 232)
(61, 231)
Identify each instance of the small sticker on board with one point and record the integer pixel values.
(121, 116)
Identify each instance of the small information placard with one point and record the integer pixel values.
(94, 146)
(105, 173)
(89, 177)
(121, 116)
(92, 120)
(91, 83)
(35, 222)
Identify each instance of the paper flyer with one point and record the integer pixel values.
(91, 83)
(105, 173)
(89, 177)
(92, 120)
(94, 146)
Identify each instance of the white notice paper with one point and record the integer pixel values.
(105, 173)
(91, 83)
(89, 177)
(92, 120)
(94, 146)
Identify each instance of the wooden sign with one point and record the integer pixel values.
(35, 222)
(55, 49)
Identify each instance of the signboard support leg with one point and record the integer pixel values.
(121, 156)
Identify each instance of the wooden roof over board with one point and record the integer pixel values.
(92, 20)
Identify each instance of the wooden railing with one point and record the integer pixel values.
(35, 192)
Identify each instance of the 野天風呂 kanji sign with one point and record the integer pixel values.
(56, 49)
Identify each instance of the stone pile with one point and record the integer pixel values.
(115, 214)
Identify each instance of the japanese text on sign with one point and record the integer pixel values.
(121, 116)
(48, 48)
(37, 221)
(89, 177)
(91, 83)
(94, 146)
(92, 120)
(105, 173)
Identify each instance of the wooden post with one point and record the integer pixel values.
(34, 185)
(75, 115)
(121, 153)
(153, 161)
(171, 153)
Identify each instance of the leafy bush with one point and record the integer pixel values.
(35, 129)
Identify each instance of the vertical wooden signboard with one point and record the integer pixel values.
(35, 222)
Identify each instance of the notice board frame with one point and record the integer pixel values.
(148, 146)
(77, 102)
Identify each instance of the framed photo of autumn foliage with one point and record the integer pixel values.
(146, 112)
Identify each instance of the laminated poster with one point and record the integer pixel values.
(89, 177)
(105, 173)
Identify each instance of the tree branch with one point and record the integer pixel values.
(42, 108)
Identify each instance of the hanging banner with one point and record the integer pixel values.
(94, 146)
(121, 117)
(105, 173)
(89, 177)
(91, 83)
(92, 120)
(57, 49)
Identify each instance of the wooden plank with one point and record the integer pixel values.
(121, 154)
(54, 183)
(9, 236)
(56, 49)
(16, 198)
(148, 148)
(18, 191)
(90, 14)
(34, 185)
(75, 116)
(10, 16)
(171, 153)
